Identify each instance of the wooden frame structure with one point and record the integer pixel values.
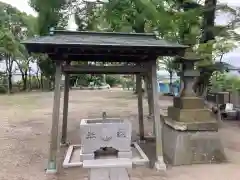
(135, 53)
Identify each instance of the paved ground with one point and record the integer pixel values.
(25, 126)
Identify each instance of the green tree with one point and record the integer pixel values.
(15, 26)
(10, 33)
(8, 51)
(50, 15)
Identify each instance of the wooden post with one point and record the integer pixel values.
(149, 92)
(52, 160)
(65, 110)
(150, 102)
(160, 165)
(140, 105)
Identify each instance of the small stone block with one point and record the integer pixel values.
(52, 168)
(125, 154)
(188, 102)
(160, 164)
(190, 115)
(210, 125)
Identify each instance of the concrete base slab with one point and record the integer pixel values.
(191, 147)
(72, 157)
(108, 174)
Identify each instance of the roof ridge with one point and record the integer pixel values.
(64, 32)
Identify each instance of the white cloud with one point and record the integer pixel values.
(230, 2)
(22, 5)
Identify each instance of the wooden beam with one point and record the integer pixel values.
(84, 69)
(100, 58)
(52, 160)
(160, 165)
(65, 110)
(140, 105)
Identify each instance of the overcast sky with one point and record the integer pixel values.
(232, 57)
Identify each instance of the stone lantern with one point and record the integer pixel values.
(190, 130)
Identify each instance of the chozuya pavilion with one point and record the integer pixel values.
(136, 52)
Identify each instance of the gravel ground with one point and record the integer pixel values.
(25, 129)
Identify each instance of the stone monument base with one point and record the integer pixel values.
(186, 147)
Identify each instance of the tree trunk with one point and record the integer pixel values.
(38, 82)
(41, 81)
(49, 84)
(9, 83)
(170, 82)
(9, 63)
(29, 79)
(24, 80)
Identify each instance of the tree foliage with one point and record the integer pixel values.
(50, 15)
(14, 27)
(225, 82)
(187, 22)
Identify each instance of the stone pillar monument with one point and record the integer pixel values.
(190, 132)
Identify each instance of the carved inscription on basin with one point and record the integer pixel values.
(110, 132)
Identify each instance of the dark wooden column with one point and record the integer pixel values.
(65, 110)
(149, 95)
(156, 117)
(140, 105)
(150, 102)
(52, 159)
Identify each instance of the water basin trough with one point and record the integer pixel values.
(106, 149)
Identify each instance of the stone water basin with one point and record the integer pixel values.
(104, 141)
(105, 132)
